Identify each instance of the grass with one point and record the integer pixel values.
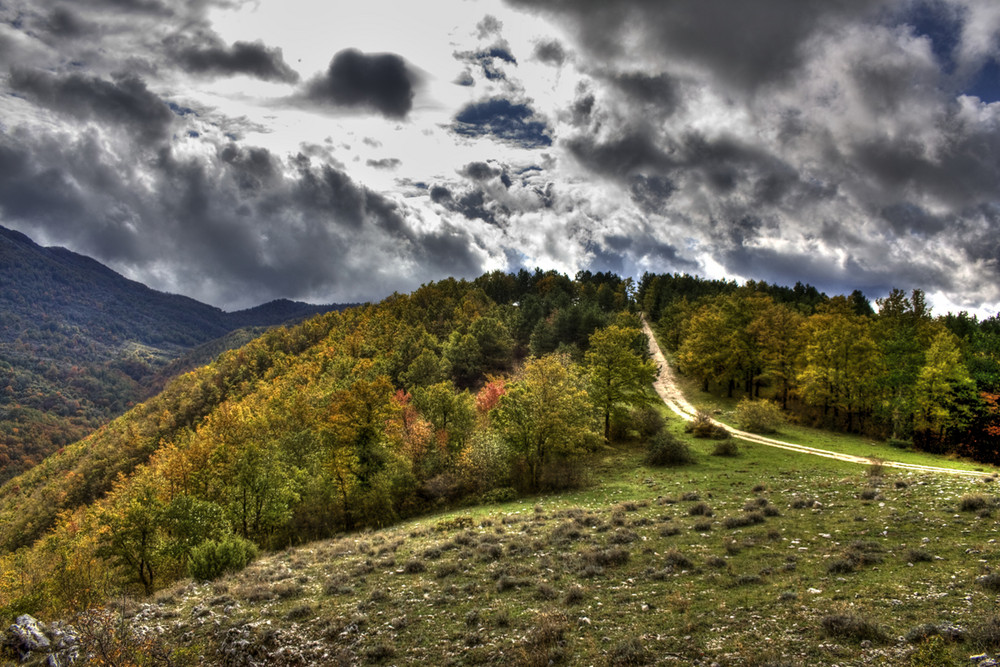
(725, 560)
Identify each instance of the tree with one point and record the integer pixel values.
(496, 346)
(355, 442)
(133, 536)
(901, 331)
(619, 377)
(944, 392)
(545, 414)
(840, 363)
(464, 358)
(451, 413)
(777, 331)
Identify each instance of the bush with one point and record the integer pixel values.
(647, 421)
(213, 558)
(973, 502)
(758, 416)
(852, 627)
(667, 450)
(727, 447)
(702, 426)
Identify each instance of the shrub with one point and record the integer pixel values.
(986, 635)
(676, 559)
(727, 447)
(973, 502)
(574, 595)
(213, 558)
(702, 426)
(990, 582)
(869, 494)
(914, 555)
(700, 509)
(647, 421)
(932, 652)
(667, 450)
(414, 566)
(853, 627)
(629, 652)
(758, 416)
(897, 443)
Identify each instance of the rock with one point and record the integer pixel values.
(31, 639)
(27, 636)
(978, 658)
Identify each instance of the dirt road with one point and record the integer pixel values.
(667, 388)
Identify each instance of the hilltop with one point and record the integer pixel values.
(80, 344)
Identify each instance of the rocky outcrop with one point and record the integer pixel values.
(30, 640)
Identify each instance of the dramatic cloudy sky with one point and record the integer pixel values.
(327, 151)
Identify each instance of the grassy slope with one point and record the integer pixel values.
(599, 576)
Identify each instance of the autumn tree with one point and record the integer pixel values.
(944, 393)
(902, 331)
(840, 363)
(545, 414)
(355, 443)
(133, 532)
(451, 413)
(776, 330)
(620, 377)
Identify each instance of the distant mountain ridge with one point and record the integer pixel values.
(80, 343)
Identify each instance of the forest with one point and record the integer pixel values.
(899, 374)
(462, 392)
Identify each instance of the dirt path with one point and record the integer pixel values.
(667, 388)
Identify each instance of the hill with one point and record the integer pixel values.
(80, 344)
(462, 394)
(765, 558)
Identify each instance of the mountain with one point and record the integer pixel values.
(80, 344)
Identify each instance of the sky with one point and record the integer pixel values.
(238, 152)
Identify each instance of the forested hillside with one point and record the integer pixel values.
(900, 373)
(80, 344)
(459, 391)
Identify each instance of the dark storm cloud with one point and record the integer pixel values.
(657, 89)
(440, 194)
(124, 101)
(65, 23)
(744, 43)
(550, 52)
(650, 193)
(384, 163)
(504, 120)
(237, 228)
(249, 58)
(622, 156)
(479, 171)
(381, 82)
(908, 218)
(473, 205)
